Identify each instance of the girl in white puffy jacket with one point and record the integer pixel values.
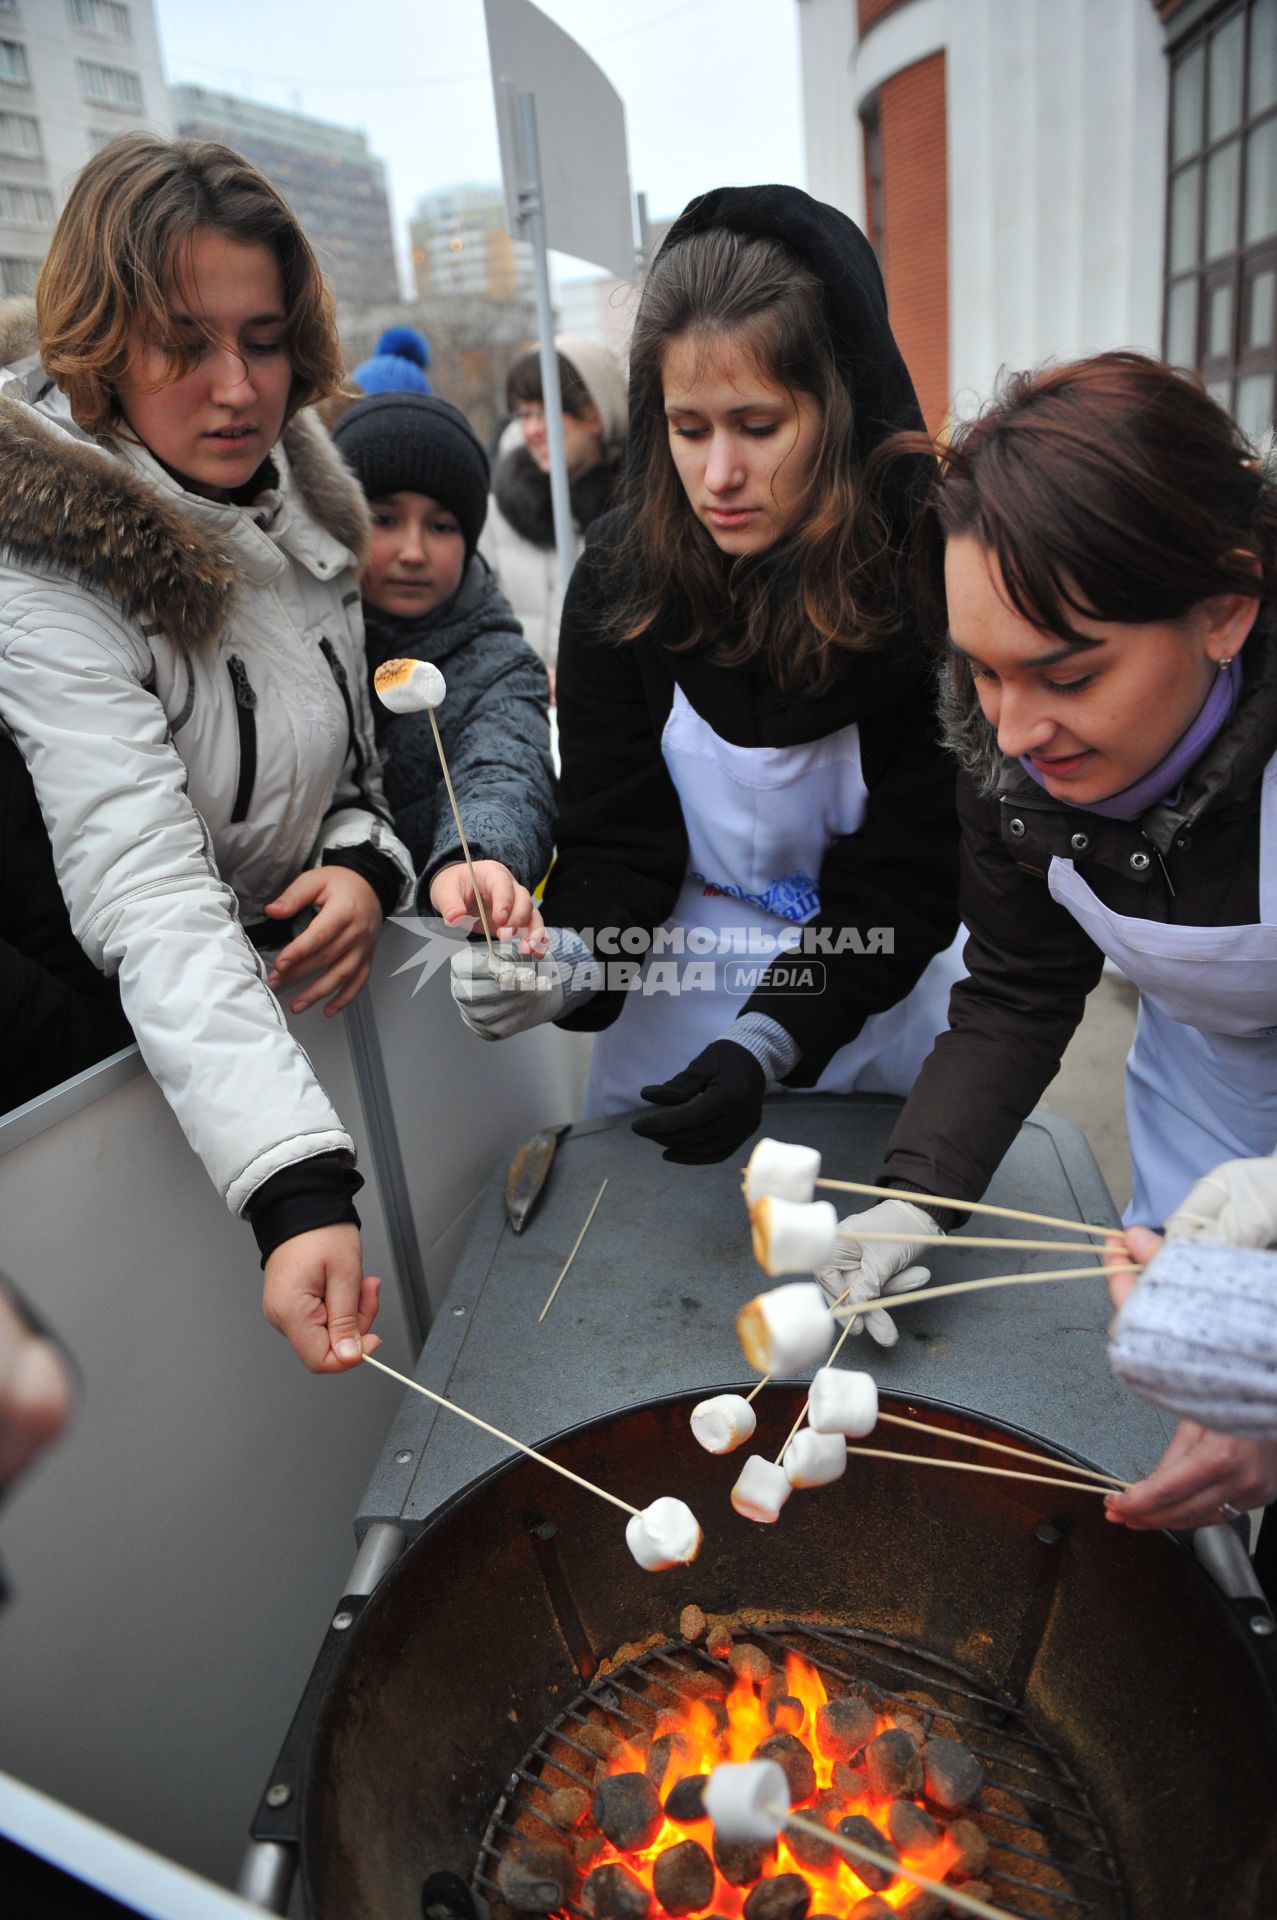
(181, 667)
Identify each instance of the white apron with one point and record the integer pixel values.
(759, 821)
(1201, 1076)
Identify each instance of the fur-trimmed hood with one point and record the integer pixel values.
(73, 505)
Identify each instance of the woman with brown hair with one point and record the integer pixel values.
(181, 666)
(757, 842)
(1108, 543)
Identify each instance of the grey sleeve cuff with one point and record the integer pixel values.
(1198, 1337)
(776, 1051)
(580, 974)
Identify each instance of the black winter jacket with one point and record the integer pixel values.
(622, 843)
(1190, 861)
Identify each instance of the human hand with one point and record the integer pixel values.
(1199, 1474)
(709, 1109)
(35, 1391)
(315, 1292)
(510, 908)
(1235, 1205)
(1138, 1244)
(873, 1269)
(520, 994)
(334, 954)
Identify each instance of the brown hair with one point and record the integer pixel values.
(523, 383)
(1113, 488)
(828, 587)
(130, 213)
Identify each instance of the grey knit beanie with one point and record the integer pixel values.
(416, 443)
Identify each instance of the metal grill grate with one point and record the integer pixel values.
(1048, 1856)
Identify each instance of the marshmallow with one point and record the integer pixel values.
(762, 1489)
(788, 1329)
(781, 1172)
(408, 686)
(666, 1534)
(793, 1236)
(842, 1402)
(748, 1802)
(723, 1423)
(814, 1459)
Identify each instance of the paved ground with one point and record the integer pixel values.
(1088, 1087)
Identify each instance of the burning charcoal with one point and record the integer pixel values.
(628, 1811)
(914, 1728)
(785, 1713)
(865, 1834)
(672, 1720)
(598, 1739)
(844, 1726)
(954, 1775)
(693, 1685)
(912, 1830)
(922, 1905)
(683, 1878)
(587, 1845)
(750, 1663)
(742, 1861)
(568, 1806)
(537, 1879)
(685, 1802)
(718, 1636)
(773, 1687)
(871, 1908)
(978, 1889)
(850, 1782)
(807, 1848)
(786, 1896)
(894, 1765)
(800, 1770)
(612, 1893)
(670, 1746)
(973, 1850)
(693, 1625)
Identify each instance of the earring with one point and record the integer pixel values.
(1226, 663)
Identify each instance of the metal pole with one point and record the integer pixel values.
(532, 218)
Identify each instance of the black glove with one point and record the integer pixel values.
(708, 1110)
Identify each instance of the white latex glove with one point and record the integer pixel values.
(1235, 1206)
(868, 1270)
(521, 993)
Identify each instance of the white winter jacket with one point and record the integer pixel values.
(186, 682)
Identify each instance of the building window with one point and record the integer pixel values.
(20, 134)
(17, 276)
(26, 206)
(1221, 221)
(13, 63)
(106, 17)
(875, 229)
(109, 86)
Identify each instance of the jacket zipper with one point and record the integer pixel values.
(245, 702)
(353, 746)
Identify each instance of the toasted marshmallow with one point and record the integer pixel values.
(794, 1236)
(724, 1423)
(842, 1402)
(761, 1490)
(666, 1534)
(747, 1802)
(409, 686)
(814, 1459)
(781, 1172)
(786, 1330)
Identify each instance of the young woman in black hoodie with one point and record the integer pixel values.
(754, 801)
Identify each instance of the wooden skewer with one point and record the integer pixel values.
(963, 1206)
(572, 1256)
(956, 1898)
(807, 1402)
(890, 1301)
(497, 1434)
(977, 1466)
(975, 1240)
(461, 833)
(999, 1446)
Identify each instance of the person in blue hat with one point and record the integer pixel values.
(398, 365)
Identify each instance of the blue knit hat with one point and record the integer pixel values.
(398, 365)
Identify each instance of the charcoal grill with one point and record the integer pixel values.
(1106, 1662)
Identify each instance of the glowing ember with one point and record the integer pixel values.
(692, 1739)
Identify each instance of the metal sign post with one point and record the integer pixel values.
(532, 221)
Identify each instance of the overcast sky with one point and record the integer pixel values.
(710, 86)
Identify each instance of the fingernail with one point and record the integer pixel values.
(349, 1350)
(300, 1006)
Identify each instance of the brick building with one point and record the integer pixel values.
(1043, 178)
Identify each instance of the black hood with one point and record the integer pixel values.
(844, 262)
